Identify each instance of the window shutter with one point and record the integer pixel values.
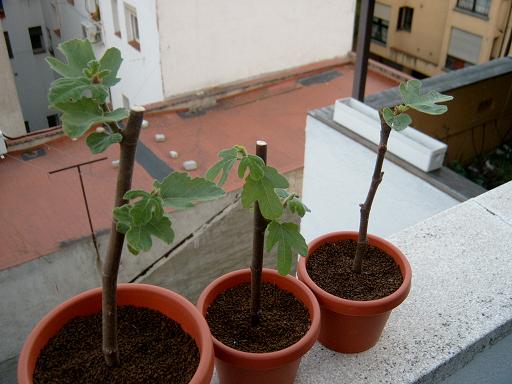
(465, 46)
(381, 11)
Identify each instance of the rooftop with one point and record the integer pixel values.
(44, 212)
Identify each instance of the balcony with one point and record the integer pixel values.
(456, 237)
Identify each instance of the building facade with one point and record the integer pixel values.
(426, 38)
(174, 48)
(27, 42)
(170, 47)
(11, 123)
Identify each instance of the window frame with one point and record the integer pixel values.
(132, 26)
(55, 117)
(8, 45)
(114, 5)
(405, 16)
(379, 23)
(460, 6)
(459, 56)
(126, 101)
(452, 59)
(39, 50)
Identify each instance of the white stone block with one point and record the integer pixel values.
(100, 130)
(173, 154)
(159, 137)
(115, 163)
(190, 165)
(145, 123)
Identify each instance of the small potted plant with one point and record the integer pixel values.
(359, 278)
(262, 321)
(125, 332)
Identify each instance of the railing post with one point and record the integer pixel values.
(363, 48)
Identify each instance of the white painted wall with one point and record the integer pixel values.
(206, 43)
(11, 123)
(337, 175)
(141, 70)
(71, 19)
(189, 45)
(32, 74)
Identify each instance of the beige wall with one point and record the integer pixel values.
(11, 123)
(425, 47)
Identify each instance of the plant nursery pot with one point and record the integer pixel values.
(140, 295)
(349, 326)
(279, 367)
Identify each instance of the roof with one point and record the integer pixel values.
(41, 213)
(448, 81)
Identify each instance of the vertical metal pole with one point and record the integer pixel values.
(363, 48)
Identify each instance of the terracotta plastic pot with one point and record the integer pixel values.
(141, 295)
(280, 367)
(349, 326)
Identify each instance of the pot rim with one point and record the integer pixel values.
(204, 345)
(354, 307)
(264, 359)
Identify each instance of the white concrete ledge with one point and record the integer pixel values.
(460, 302)
(411, 145)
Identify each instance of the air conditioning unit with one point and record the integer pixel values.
(3, 147)
(91, 32)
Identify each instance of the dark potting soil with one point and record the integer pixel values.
(330, 267)
(153, 349)
(284, 319)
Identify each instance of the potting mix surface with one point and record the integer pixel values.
(153, 349)
(284, 319)
(330, 267)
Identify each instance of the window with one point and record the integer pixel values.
(8, 44)
(53, 120)
(405, 19)
(115, 16)
(36, 39)
(2, 12)
(132, 27)
(453, 63)
(126, 102)
(380, 23)
(464, 49)
(27, 126)
(50, 42)
(55, 24)
(480, 7)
